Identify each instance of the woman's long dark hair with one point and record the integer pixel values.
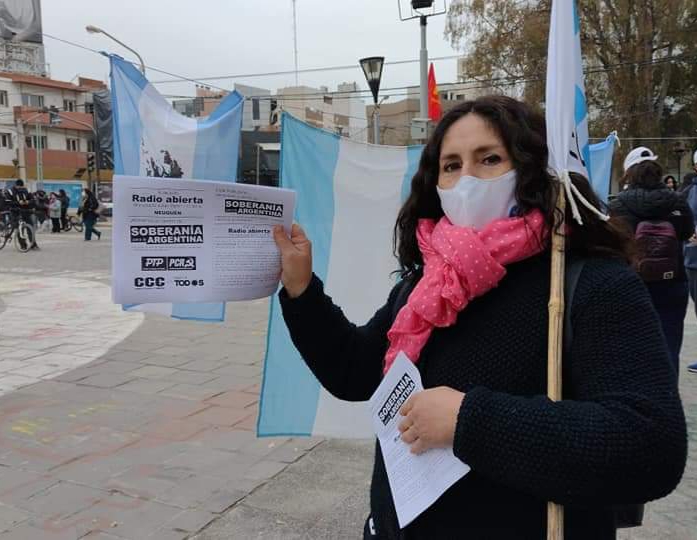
(523, 132)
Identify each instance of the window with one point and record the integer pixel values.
(5, 140)
(255, 109)
(33, 142)
(72, 145)
(91, 147)
(89, 108)
(32, 100)
(69, 105)
(4, 101)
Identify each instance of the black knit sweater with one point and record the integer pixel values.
(619, 436)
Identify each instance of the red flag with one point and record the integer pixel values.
(435, 111)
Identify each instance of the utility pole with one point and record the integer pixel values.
(423, 60)
(295, 41)
(422, 10)
(21, 155)
(39, 156)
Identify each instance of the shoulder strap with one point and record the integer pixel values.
(574, 267)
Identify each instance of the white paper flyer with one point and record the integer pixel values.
(195, 241)
(416, 481)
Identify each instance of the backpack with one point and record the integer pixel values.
(22, 198)
(659, 251)
(625, 515)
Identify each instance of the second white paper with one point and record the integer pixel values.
(416, 481)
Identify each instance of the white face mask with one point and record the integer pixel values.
(474, 202)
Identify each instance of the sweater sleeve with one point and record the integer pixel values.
(346, 359)
(618, 437)
(683, 221)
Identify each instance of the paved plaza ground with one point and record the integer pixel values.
(127, 426)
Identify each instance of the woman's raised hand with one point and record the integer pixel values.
(296, 259)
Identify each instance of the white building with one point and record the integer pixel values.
(340, 111)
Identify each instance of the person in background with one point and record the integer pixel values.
(41, 211)
(89, 207)
(65, 204)
(54, 210)
(473, 245)
(660, 220)
(23, 207)
(690, 248)
(670, 182)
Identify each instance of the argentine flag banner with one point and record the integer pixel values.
(152, 139)
(566, 113)
(348, 197)
(601, 155)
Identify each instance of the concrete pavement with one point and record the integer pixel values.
(122, 426)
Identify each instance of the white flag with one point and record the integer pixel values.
(567, 115)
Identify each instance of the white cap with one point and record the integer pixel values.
(637, 156)
(694, 158)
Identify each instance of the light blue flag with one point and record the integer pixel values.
(152, 139)
(601, 155)
(348, 197)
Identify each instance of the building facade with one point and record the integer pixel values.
(396, 117)
(64, 138)
(257, 107)
(340, 111)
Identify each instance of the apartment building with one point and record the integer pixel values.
(65, 140)
(257, 107)
(396, 116)
(340, 111)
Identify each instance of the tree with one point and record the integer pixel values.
(638, 58)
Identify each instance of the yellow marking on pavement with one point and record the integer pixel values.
(97, 407)
(30, 427)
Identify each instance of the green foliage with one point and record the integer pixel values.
(639, 57)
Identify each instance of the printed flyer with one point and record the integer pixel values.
(195, 241)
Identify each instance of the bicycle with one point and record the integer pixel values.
(73, 223)
(22, 233)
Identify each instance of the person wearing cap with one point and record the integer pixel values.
(690, 248)
(648, 199)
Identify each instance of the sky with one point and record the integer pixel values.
(205, 38)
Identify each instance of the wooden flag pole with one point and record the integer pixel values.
(555, 512)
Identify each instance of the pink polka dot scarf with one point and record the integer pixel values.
(460, 264)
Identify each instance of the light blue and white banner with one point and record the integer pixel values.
(348, 197)
(152, 139)
(566, 111)
(601, 155)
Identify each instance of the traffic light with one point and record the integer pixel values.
(90, 162)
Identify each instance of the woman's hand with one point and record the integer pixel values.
(296, 259)
(430, 418)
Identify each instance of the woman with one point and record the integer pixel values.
(54, 212)
(41, 209)
(649, 200)
(670, 182)
(88, 210)
(619, 437)
(65, 204)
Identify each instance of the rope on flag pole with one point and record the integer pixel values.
(572, 194)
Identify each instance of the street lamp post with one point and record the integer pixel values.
(96, 30)
(372, 68)
(422, 10)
